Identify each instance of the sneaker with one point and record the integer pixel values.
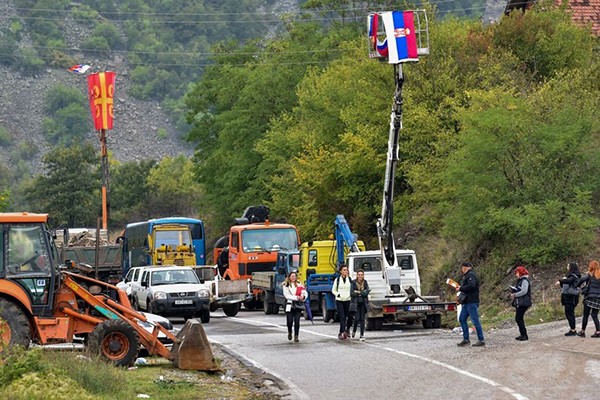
(362, 338)
(596, 334)
(478, 343)
(581, 333)
(289, 336)
(296, 339)
(571, 333)
(463, 343)
(344, 335)
(521, 338)
(353, 333)
(341, 336)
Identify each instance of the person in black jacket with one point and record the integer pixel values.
(521, 300)
(470, 305)
(591, 297)
(359, 291)
(569, 297)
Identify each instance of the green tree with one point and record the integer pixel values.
(129, 192)
(230, 116)
(172, 188)
(69, 191)
(68, 121)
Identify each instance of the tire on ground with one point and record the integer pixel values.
(115, 341)
(14, 326)
(231, 310)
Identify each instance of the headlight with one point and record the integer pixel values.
(203, 293)
(160, 295)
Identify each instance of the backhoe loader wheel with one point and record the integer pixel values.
(115, 341)
(14, 326)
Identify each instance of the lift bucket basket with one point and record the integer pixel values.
(398, 36)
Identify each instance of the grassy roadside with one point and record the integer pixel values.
(37, 374)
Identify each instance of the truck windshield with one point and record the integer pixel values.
(269, 239)
(172, 238)
(373, 263)
(173, 276)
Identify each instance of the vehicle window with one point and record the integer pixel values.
(234, 241)
(179, 276)
(312, 258)
(136, 274)
(145, 277)
(405, 262)
(368, 264)
(270, 239)
(26, 251)
(129, 276)
(172, 238)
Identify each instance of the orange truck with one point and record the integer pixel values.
(251, 247)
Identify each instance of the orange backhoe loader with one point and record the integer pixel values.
(44, 302)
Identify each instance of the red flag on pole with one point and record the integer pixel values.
(101, 88)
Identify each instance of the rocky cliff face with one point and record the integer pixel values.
(135, 135)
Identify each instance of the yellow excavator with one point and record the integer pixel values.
(48, 303)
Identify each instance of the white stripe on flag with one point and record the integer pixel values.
(388, 22)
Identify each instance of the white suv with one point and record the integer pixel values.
(172, 291)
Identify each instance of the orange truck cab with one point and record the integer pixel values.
(253, 246)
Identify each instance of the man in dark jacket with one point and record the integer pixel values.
(469, 285)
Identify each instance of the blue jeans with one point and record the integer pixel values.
(470, 310)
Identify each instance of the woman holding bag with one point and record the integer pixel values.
(569, 296)
(294, 294)
(591, 297)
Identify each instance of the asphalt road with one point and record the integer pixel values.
(404, 362)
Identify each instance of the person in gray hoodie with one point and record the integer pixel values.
(521, 300)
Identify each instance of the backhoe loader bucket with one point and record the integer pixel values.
(192, 350)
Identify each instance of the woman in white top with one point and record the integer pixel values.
(341, 292)
(294, 294)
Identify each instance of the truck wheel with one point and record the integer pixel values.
(14, 326)
(135, 304)
(231, 310)
(377, 324)
(274, 308)
(370, 324)
(115, 341)
(328, 315)
(428, 322)
(205, 316)
(213, 306)
(437, 321)
(250, 305)
(267, 306)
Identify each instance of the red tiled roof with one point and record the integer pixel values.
(586, 12)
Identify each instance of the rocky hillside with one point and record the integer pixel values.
(142, 130)
(135, 135)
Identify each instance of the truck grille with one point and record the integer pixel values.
(182, 294)
(248, 269)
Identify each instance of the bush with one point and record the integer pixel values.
(29, 63)
(5, 137)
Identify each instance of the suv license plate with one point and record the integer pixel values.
(179, 302)
(419, 308)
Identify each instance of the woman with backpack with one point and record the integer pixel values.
(521, 300)
(341, 292)
(591, 297)
(569, 296)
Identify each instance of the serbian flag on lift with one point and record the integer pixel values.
(401, 37)
(101, 88)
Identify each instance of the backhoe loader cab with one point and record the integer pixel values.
(46, 304)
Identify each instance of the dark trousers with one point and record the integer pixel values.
(520, 320)
(570, 314)
(586, 314)
(343, 309)
(293, 318)
(361, 312)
